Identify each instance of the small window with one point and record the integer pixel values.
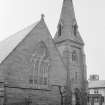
(74, 56)
(96, 91)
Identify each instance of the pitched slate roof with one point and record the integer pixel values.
(67, 19)
(7, 46)
(96, 84)
(40, 32)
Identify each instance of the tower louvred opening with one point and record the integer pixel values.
(75, 27)
(60, 27)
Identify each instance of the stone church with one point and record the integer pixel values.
(37, 69)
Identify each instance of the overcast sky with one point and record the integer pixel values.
(90, 15)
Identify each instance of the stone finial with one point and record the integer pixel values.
(42, 16)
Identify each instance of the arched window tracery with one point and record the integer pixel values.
(41, 65)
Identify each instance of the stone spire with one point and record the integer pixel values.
(67, 26)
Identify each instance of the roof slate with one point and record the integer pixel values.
(7, 46)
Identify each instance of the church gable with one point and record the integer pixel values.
(35, 61)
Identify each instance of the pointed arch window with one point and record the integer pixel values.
(41, 64)
(75, 27)
(60, 27)
(74, 56)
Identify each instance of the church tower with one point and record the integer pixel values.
(71, 47)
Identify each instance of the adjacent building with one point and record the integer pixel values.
(37, 69)
(96, 90)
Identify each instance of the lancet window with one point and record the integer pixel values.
(74, 56)
(75, 27)
(60, 27)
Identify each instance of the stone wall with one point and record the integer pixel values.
(37, 97)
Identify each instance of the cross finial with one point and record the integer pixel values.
(42, 16)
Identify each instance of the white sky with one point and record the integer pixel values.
(90, 14)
